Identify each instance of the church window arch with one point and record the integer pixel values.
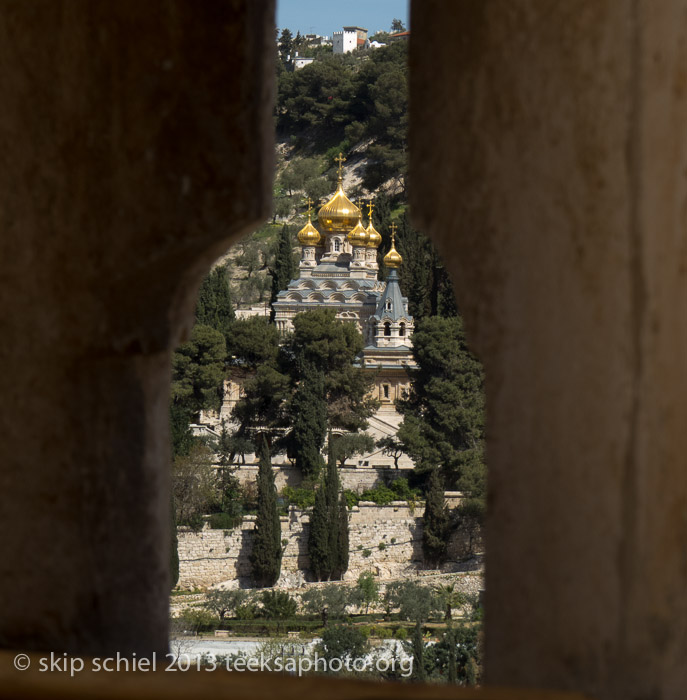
(387, 329)
(389, 305)
(402, 329)
(337, 245)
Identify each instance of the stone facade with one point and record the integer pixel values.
(384, 539)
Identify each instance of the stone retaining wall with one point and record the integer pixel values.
(384, 539)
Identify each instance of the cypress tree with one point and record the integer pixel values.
(435, 521)
(266, 555)
(284, 265)
(318, 537)
(332, 497)
(418, 654)
(342, 565)
(328, 539)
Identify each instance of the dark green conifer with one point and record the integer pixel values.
(342, 564)
(266, 555)
(435, 521)
(309, 411)
(284, 269)
(214, 307)
(328, 541)
(318, 537)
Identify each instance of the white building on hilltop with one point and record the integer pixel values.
(349, 39)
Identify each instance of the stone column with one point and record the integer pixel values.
(561, 212)
(137, 144)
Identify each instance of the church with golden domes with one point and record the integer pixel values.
(339, 271)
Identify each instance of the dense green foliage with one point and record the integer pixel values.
(328, 535)
(368, 589)
(343, 642)
(443, 416)
(435, 528)
(214, 307)
(266, 554)
(310, 385)
(341, 101)
(284, 268)
(198, 370)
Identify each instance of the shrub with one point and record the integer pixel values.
(367, 553)
(381, 495)
(381, 546)
(342, 642)
(278, 605)
(300, 497)
(401, 633)
(224, 521)
(248, 611)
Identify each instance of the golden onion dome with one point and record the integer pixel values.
(393, 258)
(374, 238)
(339, 213)
(358, 236)
(309, 235)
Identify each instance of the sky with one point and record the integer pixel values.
(326, 16)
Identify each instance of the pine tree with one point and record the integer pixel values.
(284, 265)
(266, 555)
(435, 521)
(214, 307)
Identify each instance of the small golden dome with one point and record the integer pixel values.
(309, 235)
(393, 258)
(358, 236)
(374, 238)
(339, 213)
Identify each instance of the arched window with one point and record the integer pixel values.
(337, 245)
(387, 329)
(402, 329)
(388, 305)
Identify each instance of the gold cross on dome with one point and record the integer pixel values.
(370, 208)
(309, 203)
(393, 234)
(340, 160)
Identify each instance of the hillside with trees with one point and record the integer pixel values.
(300, 388)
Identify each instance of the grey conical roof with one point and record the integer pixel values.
(398, 301)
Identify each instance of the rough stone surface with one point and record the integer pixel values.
(386, 540)
(561, 213)
(136, 143)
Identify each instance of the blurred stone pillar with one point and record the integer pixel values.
(136, 144)
(549, 164)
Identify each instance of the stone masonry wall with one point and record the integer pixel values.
(356, 479)
(384, 539)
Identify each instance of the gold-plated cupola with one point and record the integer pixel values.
(339, 213)
(374, 238)
(309, 235)
(393, 258)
